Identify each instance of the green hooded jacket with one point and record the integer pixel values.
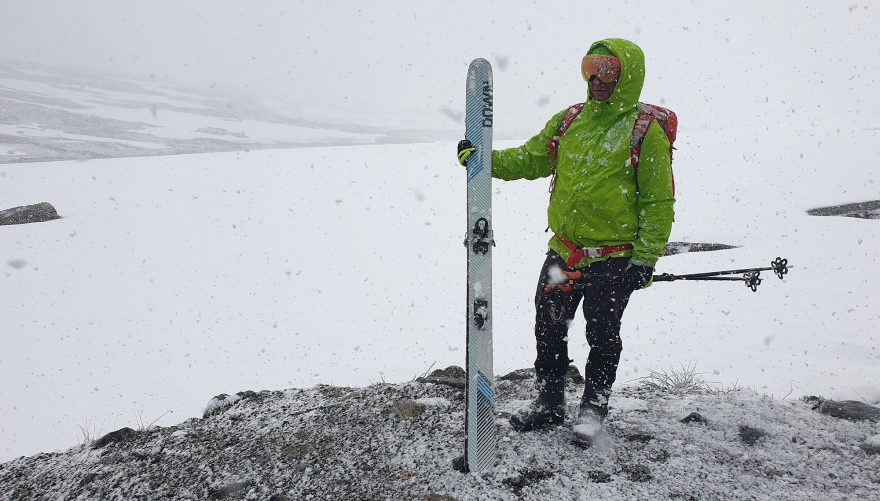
(596, 200)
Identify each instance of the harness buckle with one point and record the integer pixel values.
(593, 252)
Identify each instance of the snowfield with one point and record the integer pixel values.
(170, 279)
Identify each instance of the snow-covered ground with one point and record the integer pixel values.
(174, 278)
(399, 441)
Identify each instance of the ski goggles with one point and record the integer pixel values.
(605, 68)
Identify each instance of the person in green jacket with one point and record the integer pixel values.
(610, 224)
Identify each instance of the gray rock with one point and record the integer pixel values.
(451, 376)
(518, 375)
(749, 435)
(298, 450)
(223, 401)
(115, 437)
(407, 408)
(526, 478)
(862, 210)
(599, 476)
(453, 371)
(870, 448)
(217, 404)
(37, 213)
(846, 409)
(637, 472)
(223, 491)
(694, 417)
(572, 375)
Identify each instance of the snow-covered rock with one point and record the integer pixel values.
(871, 445)
(36, 213)
(846, 409)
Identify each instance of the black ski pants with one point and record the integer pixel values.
(604, 299)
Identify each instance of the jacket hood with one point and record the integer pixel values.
(632, 77)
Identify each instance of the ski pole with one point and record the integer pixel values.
(779, 266)
(751, 276)
(752, 279)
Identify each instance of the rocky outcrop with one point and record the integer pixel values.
(861, 210)
(398, 442)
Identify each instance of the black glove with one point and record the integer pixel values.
(637, 276)
(465, 148)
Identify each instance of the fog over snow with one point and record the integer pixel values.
(172, 279)
(388, 64)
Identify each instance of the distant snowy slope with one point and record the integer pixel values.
(176, 277)
(49, 113)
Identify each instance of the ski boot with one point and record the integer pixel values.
(546, 410)
(587, 428)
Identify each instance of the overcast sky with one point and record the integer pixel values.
(403, 63)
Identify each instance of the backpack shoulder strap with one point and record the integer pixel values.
(640, 130)
(570, 114)
(647, 114)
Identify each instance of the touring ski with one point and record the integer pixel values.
(480, 411)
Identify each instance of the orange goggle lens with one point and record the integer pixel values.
(606, 68)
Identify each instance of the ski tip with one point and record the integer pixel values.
(480, 63)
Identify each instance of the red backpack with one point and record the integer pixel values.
(647, 114)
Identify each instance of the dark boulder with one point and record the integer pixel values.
(572, 375)
(518, 375)
(750, 436)
(37, 213)
(694, 417)
(861, 210)
(846, 409)
(451, 376)
(114, 437)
